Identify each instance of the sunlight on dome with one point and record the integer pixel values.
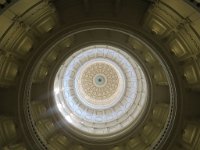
(104, 90)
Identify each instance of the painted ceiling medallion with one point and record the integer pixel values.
(99, 81)
(100, 90)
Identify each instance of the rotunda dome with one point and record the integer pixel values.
(101, 90)
(102, 74)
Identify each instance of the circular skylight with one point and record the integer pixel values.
(100, 90)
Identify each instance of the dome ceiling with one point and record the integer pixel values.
(99, 74)
(101, 90)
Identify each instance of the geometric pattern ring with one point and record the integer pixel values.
(100, 83)
(100, 90)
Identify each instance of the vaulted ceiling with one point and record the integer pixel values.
(37, 36)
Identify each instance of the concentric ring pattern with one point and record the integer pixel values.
(65, 85)
(100, 90)
(90, 89)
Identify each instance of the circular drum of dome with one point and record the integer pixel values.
(100, 91)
